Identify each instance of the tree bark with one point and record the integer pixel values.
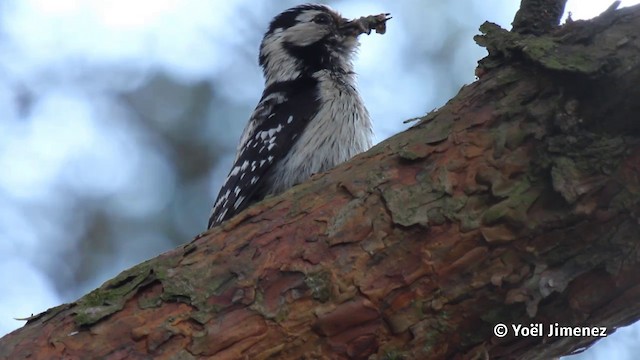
(538, 17)
(516, 203)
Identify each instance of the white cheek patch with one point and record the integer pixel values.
(279, 66)
(304, 34)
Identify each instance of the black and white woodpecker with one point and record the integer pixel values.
(310, 117)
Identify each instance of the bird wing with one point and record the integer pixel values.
(277, 122)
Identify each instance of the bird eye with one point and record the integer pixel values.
(322, 19)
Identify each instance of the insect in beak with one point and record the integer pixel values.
(365, 24)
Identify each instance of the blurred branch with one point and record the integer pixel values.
(516, 203)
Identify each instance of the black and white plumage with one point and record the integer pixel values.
(310, 117)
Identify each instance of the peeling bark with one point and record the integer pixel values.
(515, 203)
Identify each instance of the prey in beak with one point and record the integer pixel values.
(365, 24)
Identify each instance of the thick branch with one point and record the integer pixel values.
(517, 202)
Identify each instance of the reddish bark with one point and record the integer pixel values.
(517, 202)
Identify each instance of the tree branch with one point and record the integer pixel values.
(538, 17)
(515, 203)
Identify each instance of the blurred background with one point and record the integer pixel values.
(120, 118)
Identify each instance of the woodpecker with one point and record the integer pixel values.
(310, 117)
